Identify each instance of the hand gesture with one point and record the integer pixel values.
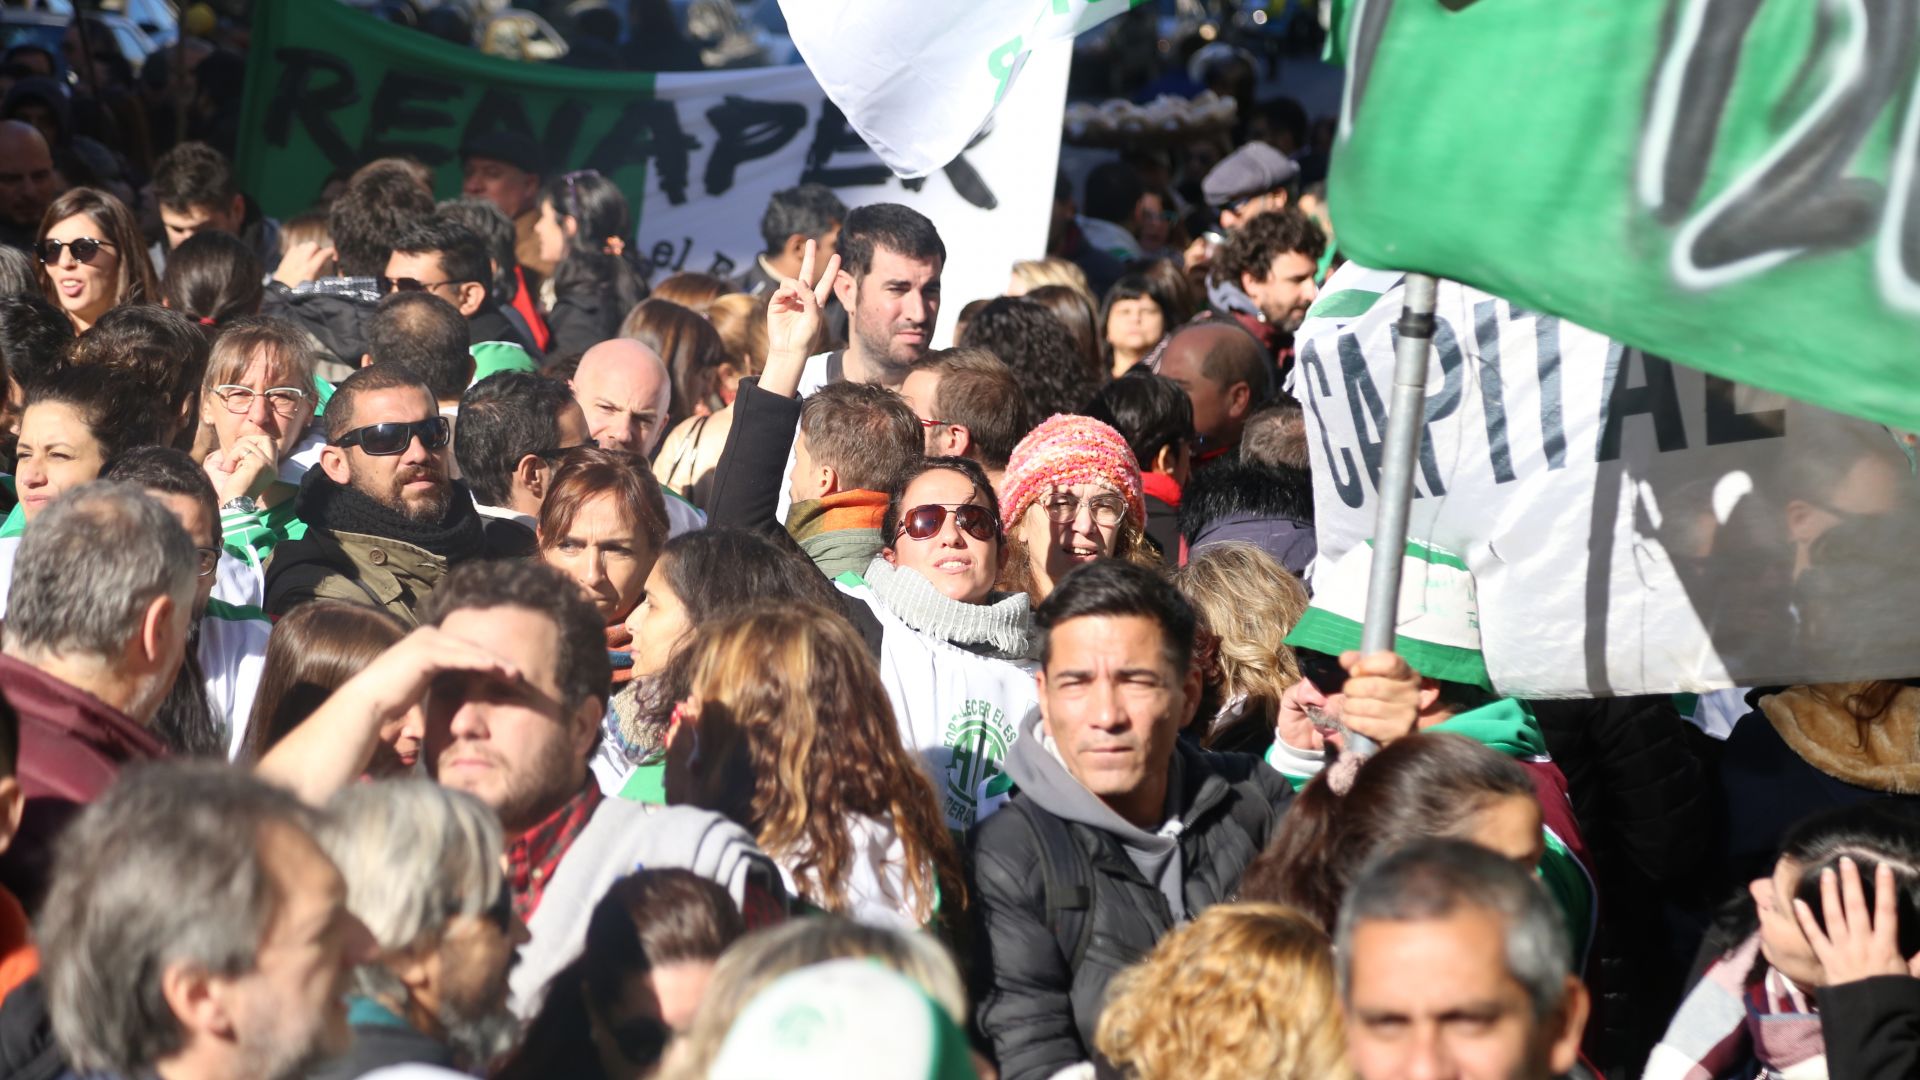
(250, 468)
(793, 322)
(399, 678)
(302, 262)
(1382, 696)
(1855, 945)
(1293, 726)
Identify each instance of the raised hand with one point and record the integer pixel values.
(793, 322)
(1382, 696)
(1855, 945)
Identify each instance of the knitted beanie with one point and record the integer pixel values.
(1063, 451)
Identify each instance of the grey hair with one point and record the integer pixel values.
(414, 855)
(163, 869)
(89, 567)
(1432, 879)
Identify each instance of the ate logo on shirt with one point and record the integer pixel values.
(977, 739)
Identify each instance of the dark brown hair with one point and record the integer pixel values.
(315, 648)
(137, 283)
(1421, 787)
(646, 919)
(162, 349)
(866, 434)
(587, 471)
(689, 346)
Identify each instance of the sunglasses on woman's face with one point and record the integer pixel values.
(383, 440)
(84, 249)
(925, 522)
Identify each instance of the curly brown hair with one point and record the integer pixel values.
(791, 698)
(1253, 247)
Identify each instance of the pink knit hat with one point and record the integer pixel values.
(1063, 451)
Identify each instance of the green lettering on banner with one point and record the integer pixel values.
(1000, 64)
(330, 88)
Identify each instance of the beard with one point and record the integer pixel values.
(876, 345)
(425, 509)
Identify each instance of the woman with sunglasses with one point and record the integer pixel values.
(583, 229)
(783, 728)
(1071, 495)
(92, 257)
(955, 656)
(258, 400)
(602, 524)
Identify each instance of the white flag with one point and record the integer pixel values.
(919, 79)
(1633, 526)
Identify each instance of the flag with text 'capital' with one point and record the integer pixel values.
(919, 78)
(1727, 183)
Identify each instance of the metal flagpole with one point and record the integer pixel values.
(1406, 417)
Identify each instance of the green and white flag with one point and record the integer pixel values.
(697, 154)
(918, 79)
(1730, 184)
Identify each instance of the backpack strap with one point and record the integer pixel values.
(1067, 874)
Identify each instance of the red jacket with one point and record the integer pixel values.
(72, 747)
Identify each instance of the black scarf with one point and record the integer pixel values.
(338, 508)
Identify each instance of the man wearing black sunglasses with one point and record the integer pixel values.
(384, 521)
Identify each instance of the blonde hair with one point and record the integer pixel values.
(1243, 990)
(761, 957)
(1053, 270)
(1249, 603)
(742, 323)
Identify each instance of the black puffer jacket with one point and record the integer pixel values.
(1038, 1009)
(1641, 792)
(336, 320)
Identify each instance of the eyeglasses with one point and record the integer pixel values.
(284, 400)
(1323, 671)
(1063, 507)
(209, 561)
(83, 248)
(382, 440)
(931, 423)
(389, 286)
(925, 522)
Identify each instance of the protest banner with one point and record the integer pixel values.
(697, 154)
(1633, 525)
(918, 81)
(1731, 185)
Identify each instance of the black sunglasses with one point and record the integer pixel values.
(84, 249)
(925, 522)
(1323, 671)
(381, 440)
(555, 453)
(389, 286)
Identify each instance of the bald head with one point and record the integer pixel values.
(623, 388)
(27, 180)
(1226, 374)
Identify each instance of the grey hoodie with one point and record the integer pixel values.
(1035, 766)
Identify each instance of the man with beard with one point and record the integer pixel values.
(197, 932)
(887, 276)
(422, 866)
(1264, 278)
(384, 521)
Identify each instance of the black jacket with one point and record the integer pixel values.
(1872, 1028)
(1639, 785)
(491, 324)
(756, 282)
(1038, 1011)
(336, 320)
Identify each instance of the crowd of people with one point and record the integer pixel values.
(436, 644)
